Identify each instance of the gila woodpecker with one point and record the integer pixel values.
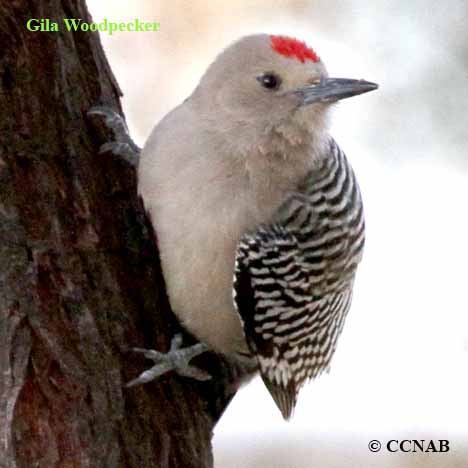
(257, 212)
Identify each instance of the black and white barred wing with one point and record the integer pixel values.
(291, 332)
(293, 279)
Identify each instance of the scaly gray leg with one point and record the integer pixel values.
(123, 145)
(176, 359)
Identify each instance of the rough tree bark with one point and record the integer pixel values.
(80, 282)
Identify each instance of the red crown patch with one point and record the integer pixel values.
(290, 47)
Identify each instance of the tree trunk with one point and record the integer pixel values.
(80, 281)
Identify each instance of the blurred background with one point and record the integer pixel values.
(401, 368)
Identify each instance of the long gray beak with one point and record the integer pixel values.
(333, 89)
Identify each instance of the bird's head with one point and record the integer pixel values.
(276, 84)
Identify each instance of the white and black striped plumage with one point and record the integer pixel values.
(294, 278)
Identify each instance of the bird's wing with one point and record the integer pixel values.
(290, 322)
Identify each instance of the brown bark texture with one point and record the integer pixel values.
(80, 281)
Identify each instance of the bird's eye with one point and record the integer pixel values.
(269, 80)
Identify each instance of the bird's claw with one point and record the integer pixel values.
(176, 359)
(112, 119)
(123, 145)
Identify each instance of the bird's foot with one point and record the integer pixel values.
(176, 359)
(123, 145)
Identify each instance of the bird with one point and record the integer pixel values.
(258, 214)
